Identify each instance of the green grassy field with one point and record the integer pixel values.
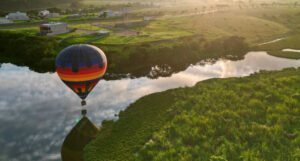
(251, 118)
(138, 40)
(30, 31)
(290, 42)
(248, 24)
(153, 31)
(228, 24)
(287, 16)
(210, 26)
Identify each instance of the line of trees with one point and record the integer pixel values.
(34, 51)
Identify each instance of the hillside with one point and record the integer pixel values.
(12, 5)
(251, 118)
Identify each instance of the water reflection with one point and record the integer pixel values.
(291, 50)
(37, 110)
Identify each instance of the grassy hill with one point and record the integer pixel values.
(174, 33)
(288, 17)
(11, 5)
(253, 29)
(251, 118)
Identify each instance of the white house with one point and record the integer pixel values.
(5, 21)
(44, 13)
(17, 16)
(54, 28)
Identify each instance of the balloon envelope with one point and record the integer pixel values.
(82, 134)
(80, 67)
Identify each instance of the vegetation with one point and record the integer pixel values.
(251, 118)
(167, 38)
(17, 48)
(254, 118)
(289, 17)
(291, 42)
(177, 53)
(30, 4)
(41, 55)
(228, 24)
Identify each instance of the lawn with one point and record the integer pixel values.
(30, 31)
(83, 39)
(212, 27)
(154, 31)
(291, 42)
(86, 26)
(227, 24)
(166, 35)
(287, 16)
(255, 27)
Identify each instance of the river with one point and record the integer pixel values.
(38, 110)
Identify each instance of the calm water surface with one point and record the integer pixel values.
(38, 110)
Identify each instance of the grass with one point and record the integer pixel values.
(86, 26)
(148, 32)
(287, 16)
(69, 35)
(103, 3)
(115, 136)
(291, 42)
(212, 27)
(83, 39)
(168, 34)
(250, 25)
(228, 24)
(251, 118)
(30, 31)
(289, 55)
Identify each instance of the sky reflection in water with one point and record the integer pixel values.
(38, 110)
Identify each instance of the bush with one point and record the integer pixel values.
(22, 49)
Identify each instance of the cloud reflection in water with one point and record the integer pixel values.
(38, 110)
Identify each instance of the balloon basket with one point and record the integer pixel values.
(83, 112)
(83, 103)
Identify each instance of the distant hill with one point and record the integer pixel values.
(12, 5)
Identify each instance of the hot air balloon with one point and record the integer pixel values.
(81, 67)
(82, 134)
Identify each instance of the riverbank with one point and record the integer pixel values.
(185, 122)
(172, 41)
(278, 48)
(288, 17)
(136, 59)
(52, 99)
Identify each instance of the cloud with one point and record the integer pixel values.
(39, 110)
